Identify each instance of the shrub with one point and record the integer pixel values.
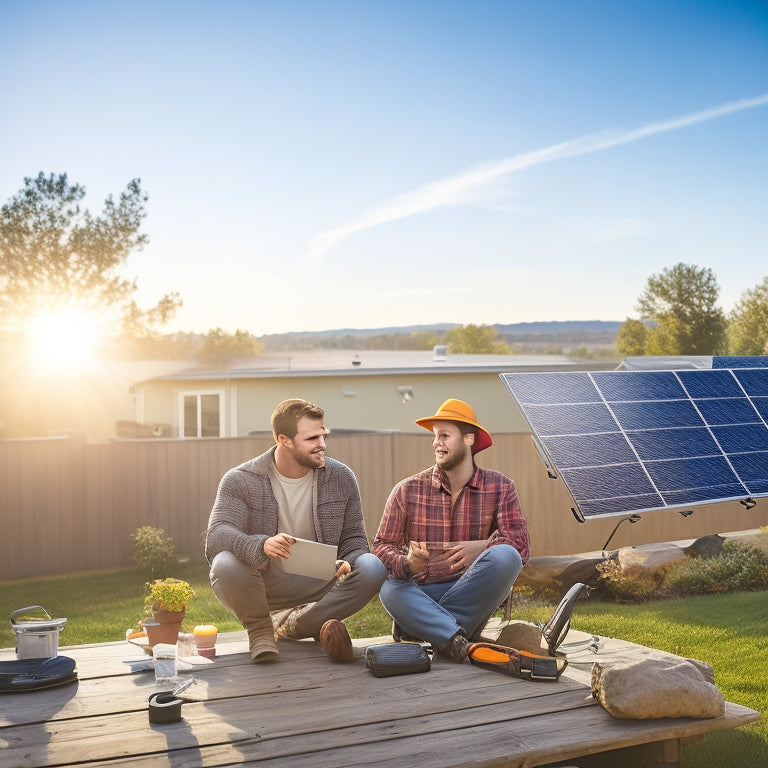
(736, 568)
(153, 550)
(615, 583)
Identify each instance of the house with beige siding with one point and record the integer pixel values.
(363, 391)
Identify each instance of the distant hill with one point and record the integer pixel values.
(553, 328)
(543, 337)
(561, 328)
(590, 333)
(386, 331)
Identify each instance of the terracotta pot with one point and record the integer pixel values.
(165, 628)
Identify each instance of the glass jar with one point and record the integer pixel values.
(165, 663)
(185, 645)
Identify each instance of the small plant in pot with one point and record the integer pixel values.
(167, 599)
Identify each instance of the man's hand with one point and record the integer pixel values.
(279, 546)
(418, 557)
(342, 569)
(463, 553)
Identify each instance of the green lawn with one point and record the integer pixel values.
(101, 605)
(729, 631)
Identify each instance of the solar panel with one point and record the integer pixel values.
(635, 441)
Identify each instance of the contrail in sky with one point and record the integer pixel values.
(456, 189)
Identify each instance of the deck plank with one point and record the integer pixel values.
(433, 743)
(311, 710)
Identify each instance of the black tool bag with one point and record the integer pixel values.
(388, 659)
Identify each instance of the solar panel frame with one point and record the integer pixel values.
(634, 441)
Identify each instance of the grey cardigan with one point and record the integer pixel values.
(245, 512)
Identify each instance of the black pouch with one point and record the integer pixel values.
(390, 659)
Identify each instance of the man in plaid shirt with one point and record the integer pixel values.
(452, 537)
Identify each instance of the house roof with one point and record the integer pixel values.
(378, 362)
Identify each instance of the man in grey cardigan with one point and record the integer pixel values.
(291, 491)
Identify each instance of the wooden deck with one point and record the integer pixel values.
(308, 710)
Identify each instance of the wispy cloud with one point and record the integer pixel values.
(461, 187)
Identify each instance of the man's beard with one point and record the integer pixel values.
(452, 460)
(309, 461)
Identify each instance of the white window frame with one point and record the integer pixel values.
(198, 393)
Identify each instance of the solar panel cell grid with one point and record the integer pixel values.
(741, 438)
(674, 443)
(753, 469)
(740, 362)
(728, 410)
(658, 415)
(579, 450)
(575, 418)
(630, 441)
(761, 406)
(755, 383)
(638, 385)
(710, 384)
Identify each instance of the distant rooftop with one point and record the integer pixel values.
(349, 362)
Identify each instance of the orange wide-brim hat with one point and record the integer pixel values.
(458, 410)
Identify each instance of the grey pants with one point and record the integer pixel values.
(251, 593)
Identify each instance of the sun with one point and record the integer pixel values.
(64, 338)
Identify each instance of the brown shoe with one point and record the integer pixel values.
(335, 640)
(456, 648)
(262, 648)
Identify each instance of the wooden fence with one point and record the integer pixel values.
(69, 505)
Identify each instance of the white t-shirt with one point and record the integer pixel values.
(294, 500)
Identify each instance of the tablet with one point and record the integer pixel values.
(311, 558)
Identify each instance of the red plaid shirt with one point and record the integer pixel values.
(419, 509)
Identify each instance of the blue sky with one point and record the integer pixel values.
(315, 165)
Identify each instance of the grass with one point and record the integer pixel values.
(729, 631)
(101, 605)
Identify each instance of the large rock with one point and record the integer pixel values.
(644, 561)
(559, 574)
(706, 546)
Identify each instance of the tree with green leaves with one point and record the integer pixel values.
(58, 256)
(220, 347)
(631, 338)
(748, 322)
(475, 340)
(679, 311)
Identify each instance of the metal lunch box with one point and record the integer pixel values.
(36, 638)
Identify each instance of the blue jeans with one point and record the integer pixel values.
(436, 612)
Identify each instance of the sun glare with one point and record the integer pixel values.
(62, 339)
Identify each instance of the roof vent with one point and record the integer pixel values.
(356, 360)
(439, 353)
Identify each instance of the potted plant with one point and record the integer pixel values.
(167, 599)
